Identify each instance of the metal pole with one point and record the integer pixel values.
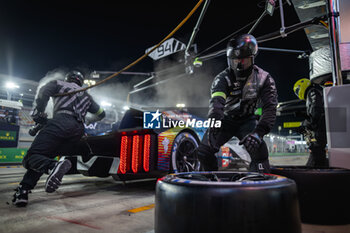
(257, 22)
(144, 81)
(196, 28)
(282, 30)
(334, 32)
(282, 50)
(157, 83)
(223, 52)
(189, 67)
(124, 72)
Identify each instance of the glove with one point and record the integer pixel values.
(251, 142)
(39, 117)
(212, 137)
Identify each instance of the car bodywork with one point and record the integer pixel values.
(133, 152)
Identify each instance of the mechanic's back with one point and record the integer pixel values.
(66, 126)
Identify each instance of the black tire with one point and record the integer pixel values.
(324, 193)
(183, 158)
(220, 202)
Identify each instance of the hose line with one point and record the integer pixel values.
(140, 58)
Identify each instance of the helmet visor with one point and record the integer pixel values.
(241, 64)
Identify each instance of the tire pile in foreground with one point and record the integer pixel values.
(226, 202)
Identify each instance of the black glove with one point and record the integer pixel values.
(212, 137)
(251, 142)
(39, 117)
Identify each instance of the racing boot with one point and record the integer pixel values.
(20, 198)
(207, 158)
(56, 174)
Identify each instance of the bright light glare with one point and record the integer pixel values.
(126, 107)
(89, 82)
(180, 105)
(106, 104)
(11, 85)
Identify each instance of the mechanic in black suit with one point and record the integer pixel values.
(66, 126)
(235, 94)
(314, 126)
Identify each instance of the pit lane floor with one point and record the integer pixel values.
(89, 204)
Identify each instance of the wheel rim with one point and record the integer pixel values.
(186, 158)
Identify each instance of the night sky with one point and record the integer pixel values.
(39, 36)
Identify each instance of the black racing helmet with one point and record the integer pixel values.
(75, 77)
(240, 52)
(242, 46)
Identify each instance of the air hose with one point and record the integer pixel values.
(140, 58)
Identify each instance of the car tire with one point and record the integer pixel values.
(226, 202)
(323, 193)
(183, 158)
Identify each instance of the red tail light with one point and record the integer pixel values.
(136, 153)
(146, 152)
(124, 155)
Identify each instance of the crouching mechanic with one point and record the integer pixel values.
(66, 127)
(235, 94)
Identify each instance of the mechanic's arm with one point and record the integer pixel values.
(219, 92)
(269, 104)
(97, 111)
(45, 92)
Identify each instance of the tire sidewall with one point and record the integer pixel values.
(177, 142)
(182, 204)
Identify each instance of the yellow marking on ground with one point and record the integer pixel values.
(11, 166)
(14, 183)
(143, 208)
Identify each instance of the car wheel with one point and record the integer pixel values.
(226, 202)
(183, 158)
(323, 193)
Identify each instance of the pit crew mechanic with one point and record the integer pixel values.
(65, 127)
(235, 94)
(314, 126)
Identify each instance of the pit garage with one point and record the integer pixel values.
(138, 169)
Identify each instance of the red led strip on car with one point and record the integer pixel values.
(123, 154)
(136, 153)
(146, 152)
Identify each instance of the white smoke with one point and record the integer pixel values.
(57, 74)
(193, 91)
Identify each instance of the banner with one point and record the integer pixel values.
(12, 155)
(8, 135)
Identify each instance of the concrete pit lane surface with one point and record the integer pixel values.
(91, 204)
(81, 204)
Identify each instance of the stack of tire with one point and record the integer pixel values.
(226, 202)
(323, 193)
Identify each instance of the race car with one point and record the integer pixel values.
(135, 152)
